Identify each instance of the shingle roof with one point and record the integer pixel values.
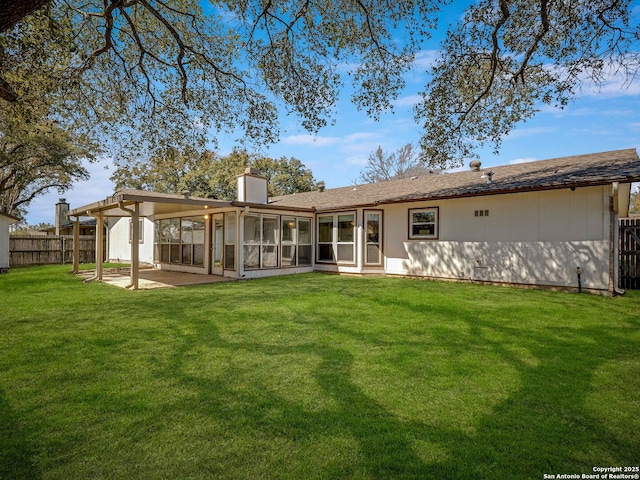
(575, 171)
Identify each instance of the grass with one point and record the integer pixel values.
(313, 376)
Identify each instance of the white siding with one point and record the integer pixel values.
(534, 238)
(119, 248)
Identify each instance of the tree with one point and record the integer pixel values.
(153, 73)
(634, 206)
(35, 158)
(506, 58)
(183, 67)
(403, 163)
(285, 175)
(207, 175)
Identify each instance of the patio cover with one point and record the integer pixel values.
(134, 204)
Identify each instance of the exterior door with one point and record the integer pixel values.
(217, 244)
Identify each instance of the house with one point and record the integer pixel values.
(118, 240)
(5, 221)
(537, 224)
(62, 225)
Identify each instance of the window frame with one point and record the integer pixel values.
(168, 250)
(335, 238)
(379, 243)
(140, 230)
(230, 230)
(436, 223)
(294, 242)
(264, 245)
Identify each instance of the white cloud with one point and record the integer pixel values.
(358, 136)
(357, 160)
(310, 140)
(528, 132)
(522, 160)
(408, 101)
(425, 58)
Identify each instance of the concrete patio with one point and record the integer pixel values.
(153, 278)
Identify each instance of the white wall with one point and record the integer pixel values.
(534, 238)
(118, 246)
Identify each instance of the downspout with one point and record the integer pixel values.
(135, 240)
(613, 241)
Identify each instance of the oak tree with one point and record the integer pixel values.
(505, 59)
(403, 163)
(205, 174)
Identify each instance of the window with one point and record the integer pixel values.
(198, 241)
(423, 223)
(345, 244)
(373, 238)
(174, 240)
(140, 230)
(296, 241)
(180, 241)
(304, 241)
(325, 238)
(336, 238)
(230, 241)
(260, 241)
(289, 233)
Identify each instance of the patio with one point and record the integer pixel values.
(150, 278)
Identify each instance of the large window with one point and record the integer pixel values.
(180, 241)
(230, 241)
(373, 237)
(296, 241)
(423, 223)
(336, 238)
(260, 241)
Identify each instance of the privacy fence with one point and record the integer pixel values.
(49, 249)
(630, 253)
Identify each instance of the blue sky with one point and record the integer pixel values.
(598, 120)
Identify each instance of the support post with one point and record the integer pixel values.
(76, 245)
(99, 245)
(135, 246)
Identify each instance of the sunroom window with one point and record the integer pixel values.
(260, 241)
(296, 241)
(336, 238)
(180, 241)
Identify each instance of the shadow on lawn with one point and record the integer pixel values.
(15, 451)
(542, 427)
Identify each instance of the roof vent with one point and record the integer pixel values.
(186, 193)
(475, 165)
(488, 176)
(321, 187)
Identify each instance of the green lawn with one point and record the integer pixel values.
(313, 376)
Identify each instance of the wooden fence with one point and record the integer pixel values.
(49, 249)
(630, 253)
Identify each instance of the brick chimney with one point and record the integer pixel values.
(62, 208)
